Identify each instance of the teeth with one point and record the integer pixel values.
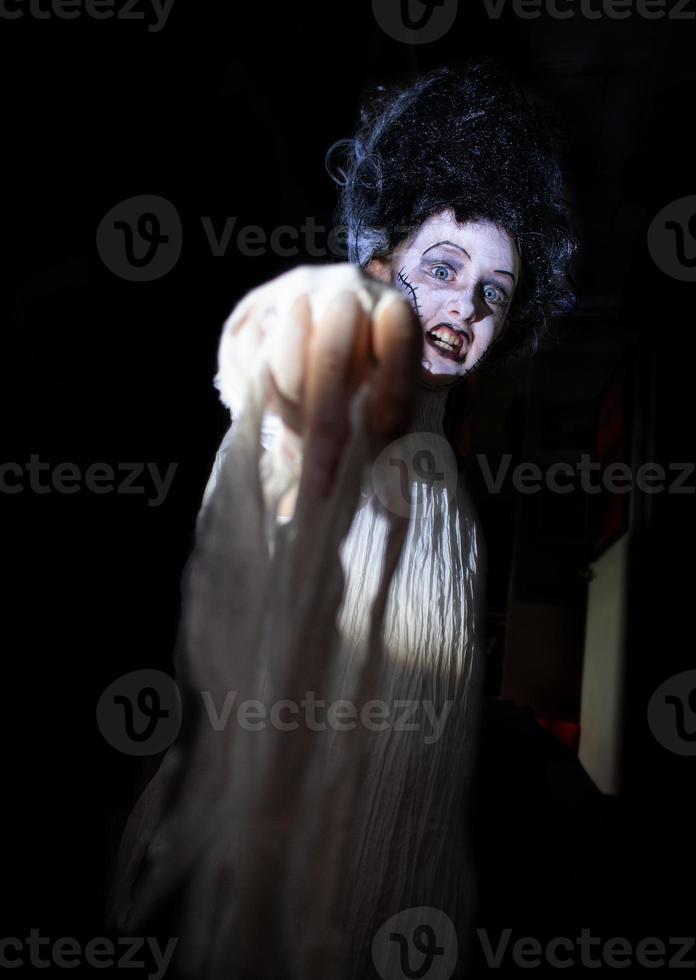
(447, 338)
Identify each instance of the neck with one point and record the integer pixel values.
(429, 409)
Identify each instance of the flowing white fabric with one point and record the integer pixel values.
(292, 846)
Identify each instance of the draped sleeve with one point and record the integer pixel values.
(290, 840)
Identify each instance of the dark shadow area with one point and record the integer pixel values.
(227, 113)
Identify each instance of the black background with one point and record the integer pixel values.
(228, 111)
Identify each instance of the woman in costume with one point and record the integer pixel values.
(339, 562)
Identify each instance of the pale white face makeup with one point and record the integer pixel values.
(460, 279)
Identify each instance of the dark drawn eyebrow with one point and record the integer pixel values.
(448, 243)
(504, 272)
(501, 272)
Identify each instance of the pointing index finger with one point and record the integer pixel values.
(331, 354)
(397, 344)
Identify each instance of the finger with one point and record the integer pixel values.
(287, 360)
(238, 352)
(397, 343)
(361, 356)
(328, 393)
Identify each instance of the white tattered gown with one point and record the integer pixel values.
(359, 820)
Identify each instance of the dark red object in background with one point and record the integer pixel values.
(567, 731)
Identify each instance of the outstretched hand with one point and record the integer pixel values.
(323, 331)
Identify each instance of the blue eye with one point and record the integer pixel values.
(492, 294)
(441, 272)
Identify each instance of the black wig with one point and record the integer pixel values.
(471, 142)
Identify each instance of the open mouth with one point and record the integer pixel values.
(448, 341)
